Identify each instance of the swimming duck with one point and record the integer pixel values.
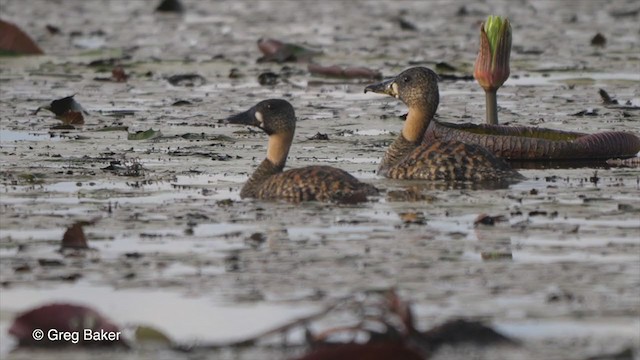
(277, 118)
(410, 157)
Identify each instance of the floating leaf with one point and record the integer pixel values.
(606, 99)
(319, 136)
(15, 41)
(382, 350)
(71, 118)
(188, 80)
(74, 237)
(118, 74)
(144, 135)
(170, 6)
(268, 78)
(344, 73)
(62, 106)
(63, 318)
(278, 51)
(598, 40)
(150, 335)
(485, 219)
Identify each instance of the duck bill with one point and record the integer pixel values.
(244, 118)
(388, 87)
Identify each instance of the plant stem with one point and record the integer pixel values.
(492, 106)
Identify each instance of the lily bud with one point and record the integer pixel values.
(492, 64)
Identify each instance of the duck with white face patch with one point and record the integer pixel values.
(277, 118)
(410, 157)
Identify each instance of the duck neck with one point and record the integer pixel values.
(277, 152)
(278, 148)
(417, 122)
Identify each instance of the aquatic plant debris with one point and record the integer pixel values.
(351, 72)
(14, 41)
(278, 51)
(60, 318)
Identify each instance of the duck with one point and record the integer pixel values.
(276, 117)
(411, 157)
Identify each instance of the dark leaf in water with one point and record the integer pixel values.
(591, 112)
(53, 30)
(181, 103)
(71, 118)
(618, 13)
(235, 74)
(461, 331)
(170, 6)
(319, 136)
(496, 255)
(278, 51)
(144, 135)
(118, 74)
(62, 106)
(74, 238)
(484, 219)
(380, 350)
(63, 318)
(606, 99)
(344, 73)
(598, 40)
(444, 67)
(268, 78)
(406, 25)
(50, 262)
(189, 80)
(452, 77)
(15, 41)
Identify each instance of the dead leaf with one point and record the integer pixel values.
(484, 219)
(278, 51)
(118, 74)
(74, 237)
(598, 40)
(170, 6)
(144, 135)
(62, 317)
(336, 71)
(188, 80)
(15, 41)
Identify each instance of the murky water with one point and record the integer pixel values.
(562, 273)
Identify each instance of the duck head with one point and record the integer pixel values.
(273, 116)
(277, 118)
(417, 87)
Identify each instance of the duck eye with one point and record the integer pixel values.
(269, 106)
(406, 79)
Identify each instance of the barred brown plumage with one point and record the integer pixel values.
(410, 156)
(312, 183)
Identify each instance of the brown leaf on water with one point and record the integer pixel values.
(62, 317)
(606, 99)
(598, 40)
(69, 111)
(170, 6)
(74, 237)
(118, 74)
(484, 219)
(71, 118)
(381, 350)
(278, 51)
(336, 71)
(15, 41)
